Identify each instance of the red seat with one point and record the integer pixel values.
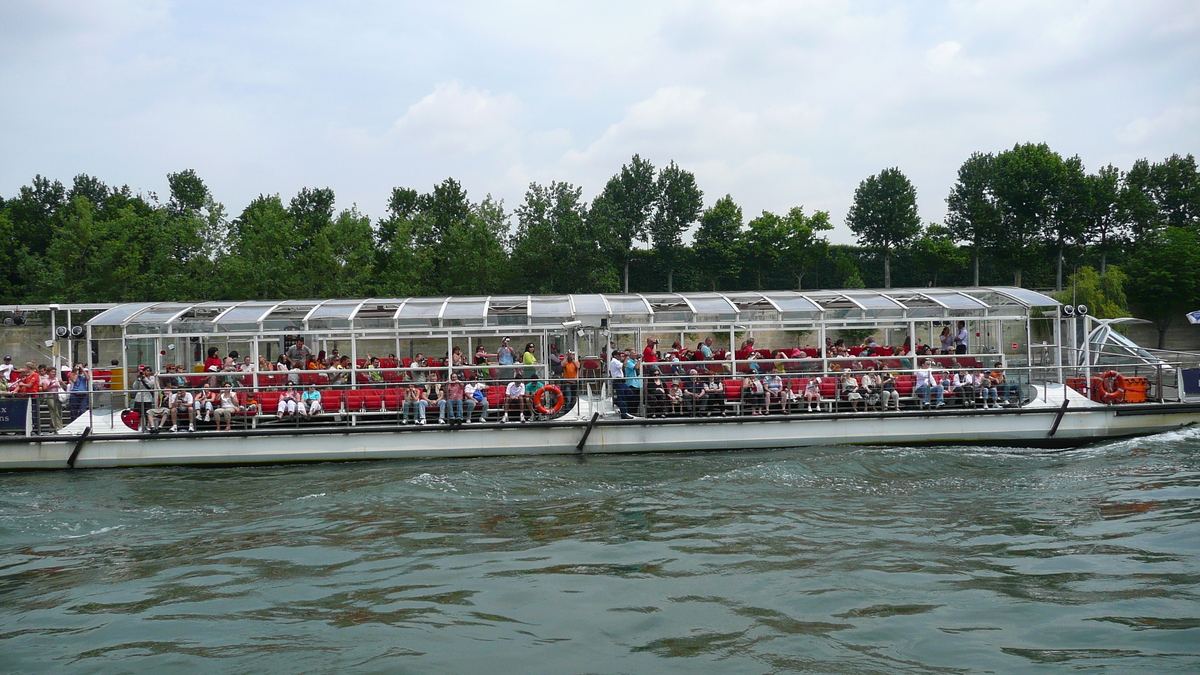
(387, 363)
(392, 376)
(733, 390)
(829, 387)
(405, 362)
(373, 400)
(393, 399)
(905, 384)
(856, 351)
(495, 396)
(354, 400)
(331, 400)
(268, 402)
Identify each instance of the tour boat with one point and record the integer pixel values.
(1067, 378)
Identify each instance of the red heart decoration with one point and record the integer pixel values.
(131, 418)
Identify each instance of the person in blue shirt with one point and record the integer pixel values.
(633, 383)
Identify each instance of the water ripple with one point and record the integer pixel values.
(846, 560)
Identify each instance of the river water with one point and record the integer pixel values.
(838, 560)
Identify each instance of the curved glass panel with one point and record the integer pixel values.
(590, 305)
(249, 313)
(120, 314)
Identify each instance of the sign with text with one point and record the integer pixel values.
(14, 415)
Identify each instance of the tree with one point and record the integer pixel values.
(760, 246)
(1175, 190)
(1067, 225)
(1027, 181)
(621, 212)
(972, 214)
(1104, 294)
(678, 206)
(717, 242)
(936, 253)
(801, 246)
(1164, 278)
(1106, 229)
(401, 264)
(884, 215)
(554, 249)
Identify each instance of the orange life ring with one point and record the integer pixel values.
(537, 398)
(1117, 391)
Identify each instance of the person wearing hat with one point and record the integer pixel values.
(6, 370)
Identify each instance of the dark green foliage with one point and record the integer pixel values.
(1024, 213)
(884, 215)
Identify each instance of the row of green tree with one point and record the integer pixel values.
(1026, 216)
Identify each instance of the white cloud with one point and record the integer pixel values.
(778, 102)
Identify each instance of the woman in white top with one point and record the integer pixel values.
(869, 386)
(849, 388)
(947, 340)
(812, 392)
(226, 404)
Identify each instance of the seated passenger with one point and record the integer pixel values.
(156, 417)
(656, 395)
(373, 374)
(414, 404)
(887, 391)
(675, 397)
(985, 389)
(514, 397)
(452, 403)
(850, 390)
(870, 386)
(927, 384)
(754, 395)
(182, 403)
(962, 386)
(529, 400)
(289, 402)
(774, 386)
(475, 396)
(693, 393)
(714, 397)
(227, 404)
(205, 401)
(812, 393)
(1009, 392)
(310, 401)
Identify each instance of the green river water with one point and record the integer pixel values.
(822, 560)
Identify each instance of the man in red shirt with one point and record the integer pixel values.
(648, 355)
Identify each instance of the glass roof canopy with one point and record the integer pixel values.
(482, 311)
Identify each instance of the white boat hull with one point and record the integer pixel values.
(1029, 426)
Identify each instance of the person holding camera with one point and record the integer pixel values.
(649, 354)
(143, 400)
(182, 403)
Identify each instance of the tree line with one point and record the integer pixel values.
(1025, 216)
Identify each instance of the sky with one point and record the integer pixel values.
(779, 103)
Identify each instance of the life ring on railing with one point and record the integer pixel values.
(558, 403)
(1113, 388)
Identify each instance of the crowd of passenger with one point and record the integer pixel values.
(55, 388)
(700, 382)
(653, 383)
